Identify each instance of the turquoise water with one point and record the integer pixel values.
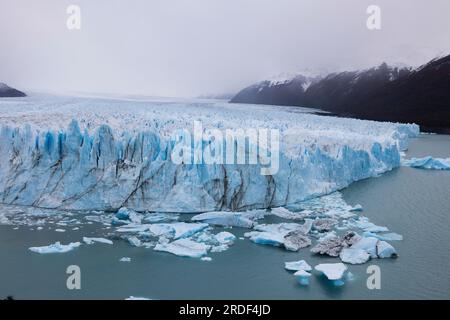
(412, 202)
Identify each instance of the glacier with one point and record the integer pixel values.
(77, 153)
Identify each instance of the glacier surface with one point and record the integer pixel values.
(104, 154)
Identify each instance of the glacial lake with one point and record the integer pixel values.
(412, 202)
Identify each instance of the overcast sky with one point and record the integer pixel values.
(194, 47)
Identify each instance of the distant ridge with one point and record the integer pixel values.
(6, 91)
(383, 93)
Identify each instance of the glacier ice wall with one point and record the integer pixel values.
(103, 168)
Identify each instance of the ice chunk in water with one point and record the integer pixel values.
(235, 219)
(57, 247)
(225, 237)
(354, 256)
(302, 277)
(333, 271)
(429, 163)
(88, 240)
(184, 248)
(297, 266)
(385, 250)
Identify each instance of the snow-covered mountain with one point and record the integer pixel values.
(384, 93)
(6, 91)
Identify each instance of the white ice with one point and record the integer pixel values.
(354, 256)
(56, 247)
(89, 240)
(297, 265)
(184, 248)
(117, 153)
(429, 163)
(333, 271)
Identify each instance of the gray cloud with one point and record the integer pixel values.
(192, 47)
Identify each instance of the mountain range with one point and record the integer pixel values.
(384, 93)
(6, 91)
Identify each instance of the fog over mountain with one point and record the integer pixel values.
(202, 47)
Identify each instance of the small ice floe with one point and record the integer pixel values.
(302, 277)
(334, 272)
(234, 219)
(137, 298)
(357, 207)
(125, 259)
(174, 230)
(374, 247)
(206, 258)
(56, 247)
(334, 245)
(39, 228)
(184, 248)
(354, 256)
(297, 265)
(285, 213)
(368, 244)
(385, 250)
(88, 240)
(220, 248)
(429, 163)
(392, 236)
(324, 224)
(134, 241)
(60, 230)
(290, 235)
(225, 237)
(128, 214)
(75, 229)
(160, 217)
(296, 240)
(267, 238)
(364, 224)
(327, 236)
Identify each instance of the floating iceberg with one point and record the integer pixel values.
(184, 248)
(116, 155)
(302, 277)
(233, 219)
(429, 163)
(285, 213)
(290, 235)
(392, 236)
(127, 214)
(364, 224)
(136, 298)
(125, 259)
(297, 266)
(368, 245)
(57, 247)
(333, 271)
(268, 238)
(225, 237)
(333, 245)
(354, 256)
(324, 224)
(88, 240)
(385, 250)
(296, 240)
(134, 241)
